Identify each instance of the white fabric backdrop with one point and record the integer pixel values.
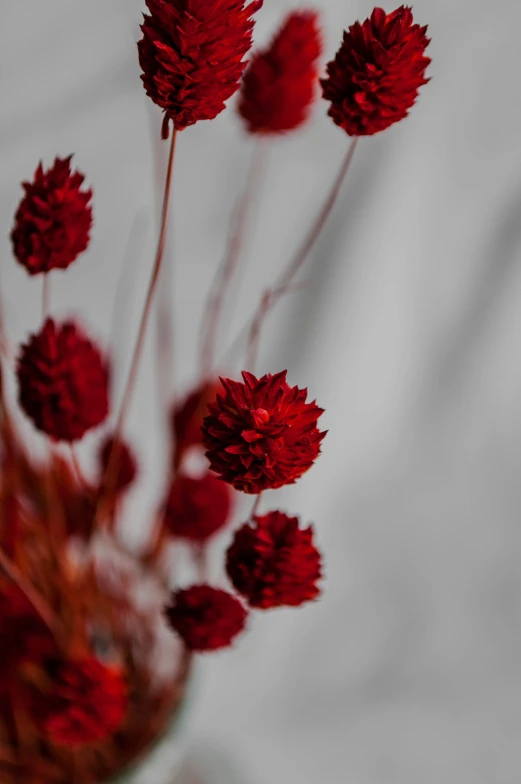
(409, 669)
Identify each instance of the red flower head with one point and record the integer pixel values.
(192, 55)
(86, 703)
(63, 382)
(53, 220)
(274, 562)
(261, 434)
(279, 85)
(197, 507)
(375, 77)
(124, 459)
(187, 417)
(206, 618)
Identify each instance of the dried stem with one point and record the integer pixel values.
(256, 505)
(46, 293)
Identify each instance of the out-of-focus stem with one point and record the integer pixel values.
(45, 296)
(256, 505)
(272, 295)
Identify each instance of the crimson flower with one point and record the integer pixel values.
(374, 79)
(197, 507)
(273, 562)
(62, 381)
(191, 55)
(124, 461)
(86, 703)
(279, 85)
(187, 417)
(261, 434)
(53, 221)
(206, 618)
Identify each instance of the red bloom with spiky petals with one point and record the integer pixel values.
(86, 703)
(273, 562)
(191, 55)
(126, 462)
(280, 83)
(197, 507)
(63, 381)
(53, 221)
(206, 618)
(261, 434)
(374, 79)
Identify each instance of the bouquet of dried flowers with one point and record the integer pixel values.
(96, 641)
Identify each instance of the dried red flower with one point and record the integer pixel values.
(374, 79)
(261, 434)
(63, 381)
(280, 83)
(126, 464)
(187, 417)
(191, 55)
(273, 562)
(86, 703)
(197, 507)
(53, 221)
(206, 618)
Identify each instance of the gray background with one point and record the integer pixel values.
(409, 669)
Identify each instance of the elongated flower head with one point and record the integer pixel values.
(187, 417)
(63, 381)
(206, 618)
(125, 464)
(53, 221)
(197, 507)
(280, 83)
(261, 434)
(192, 55)
(374, 79)
(273, 562)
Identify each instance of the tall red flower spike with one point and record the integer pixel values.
(86, 704)
(197, 507)
(63, 382)
(273, 562)
(261, 434)
(377, 72)
(53, 221)
(191, 55)
(126, 464)
(206, 618)
(280, 83)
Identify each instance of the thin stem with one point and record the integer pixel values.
(256, 505)
(214, 306)
(77, 465)
(272, 296)
(46, 294)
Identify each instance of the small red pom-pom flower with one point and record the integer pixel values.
(374, 79)
(187, 417)
(63, 381)
(280, 83)
(197, 507)
(53, 221)
(206, 618)
(261, 434)
(191, 55)
(126, 464)
(86, 703)
(273, 562)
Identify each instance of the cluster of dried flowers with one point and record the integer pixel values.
(79, 694)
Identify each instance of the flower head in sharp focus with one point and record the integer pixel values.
(53, 221)
(197, 507)
(86, 704)
(63, 381)
(192, 55)
(280, 83)
(126, 462)
(206, 618)
(374, 79)
(273, 562)
(261, 434)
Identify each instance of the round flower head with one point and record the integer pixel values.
(191, 55)
(53, 221)
(187, 417)
(377, 72)
(62, 382)
(126, 463)
(86, 703)
(206, 618)
(280, 83)
(197, 507)
(261, 434)
(273, 562)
